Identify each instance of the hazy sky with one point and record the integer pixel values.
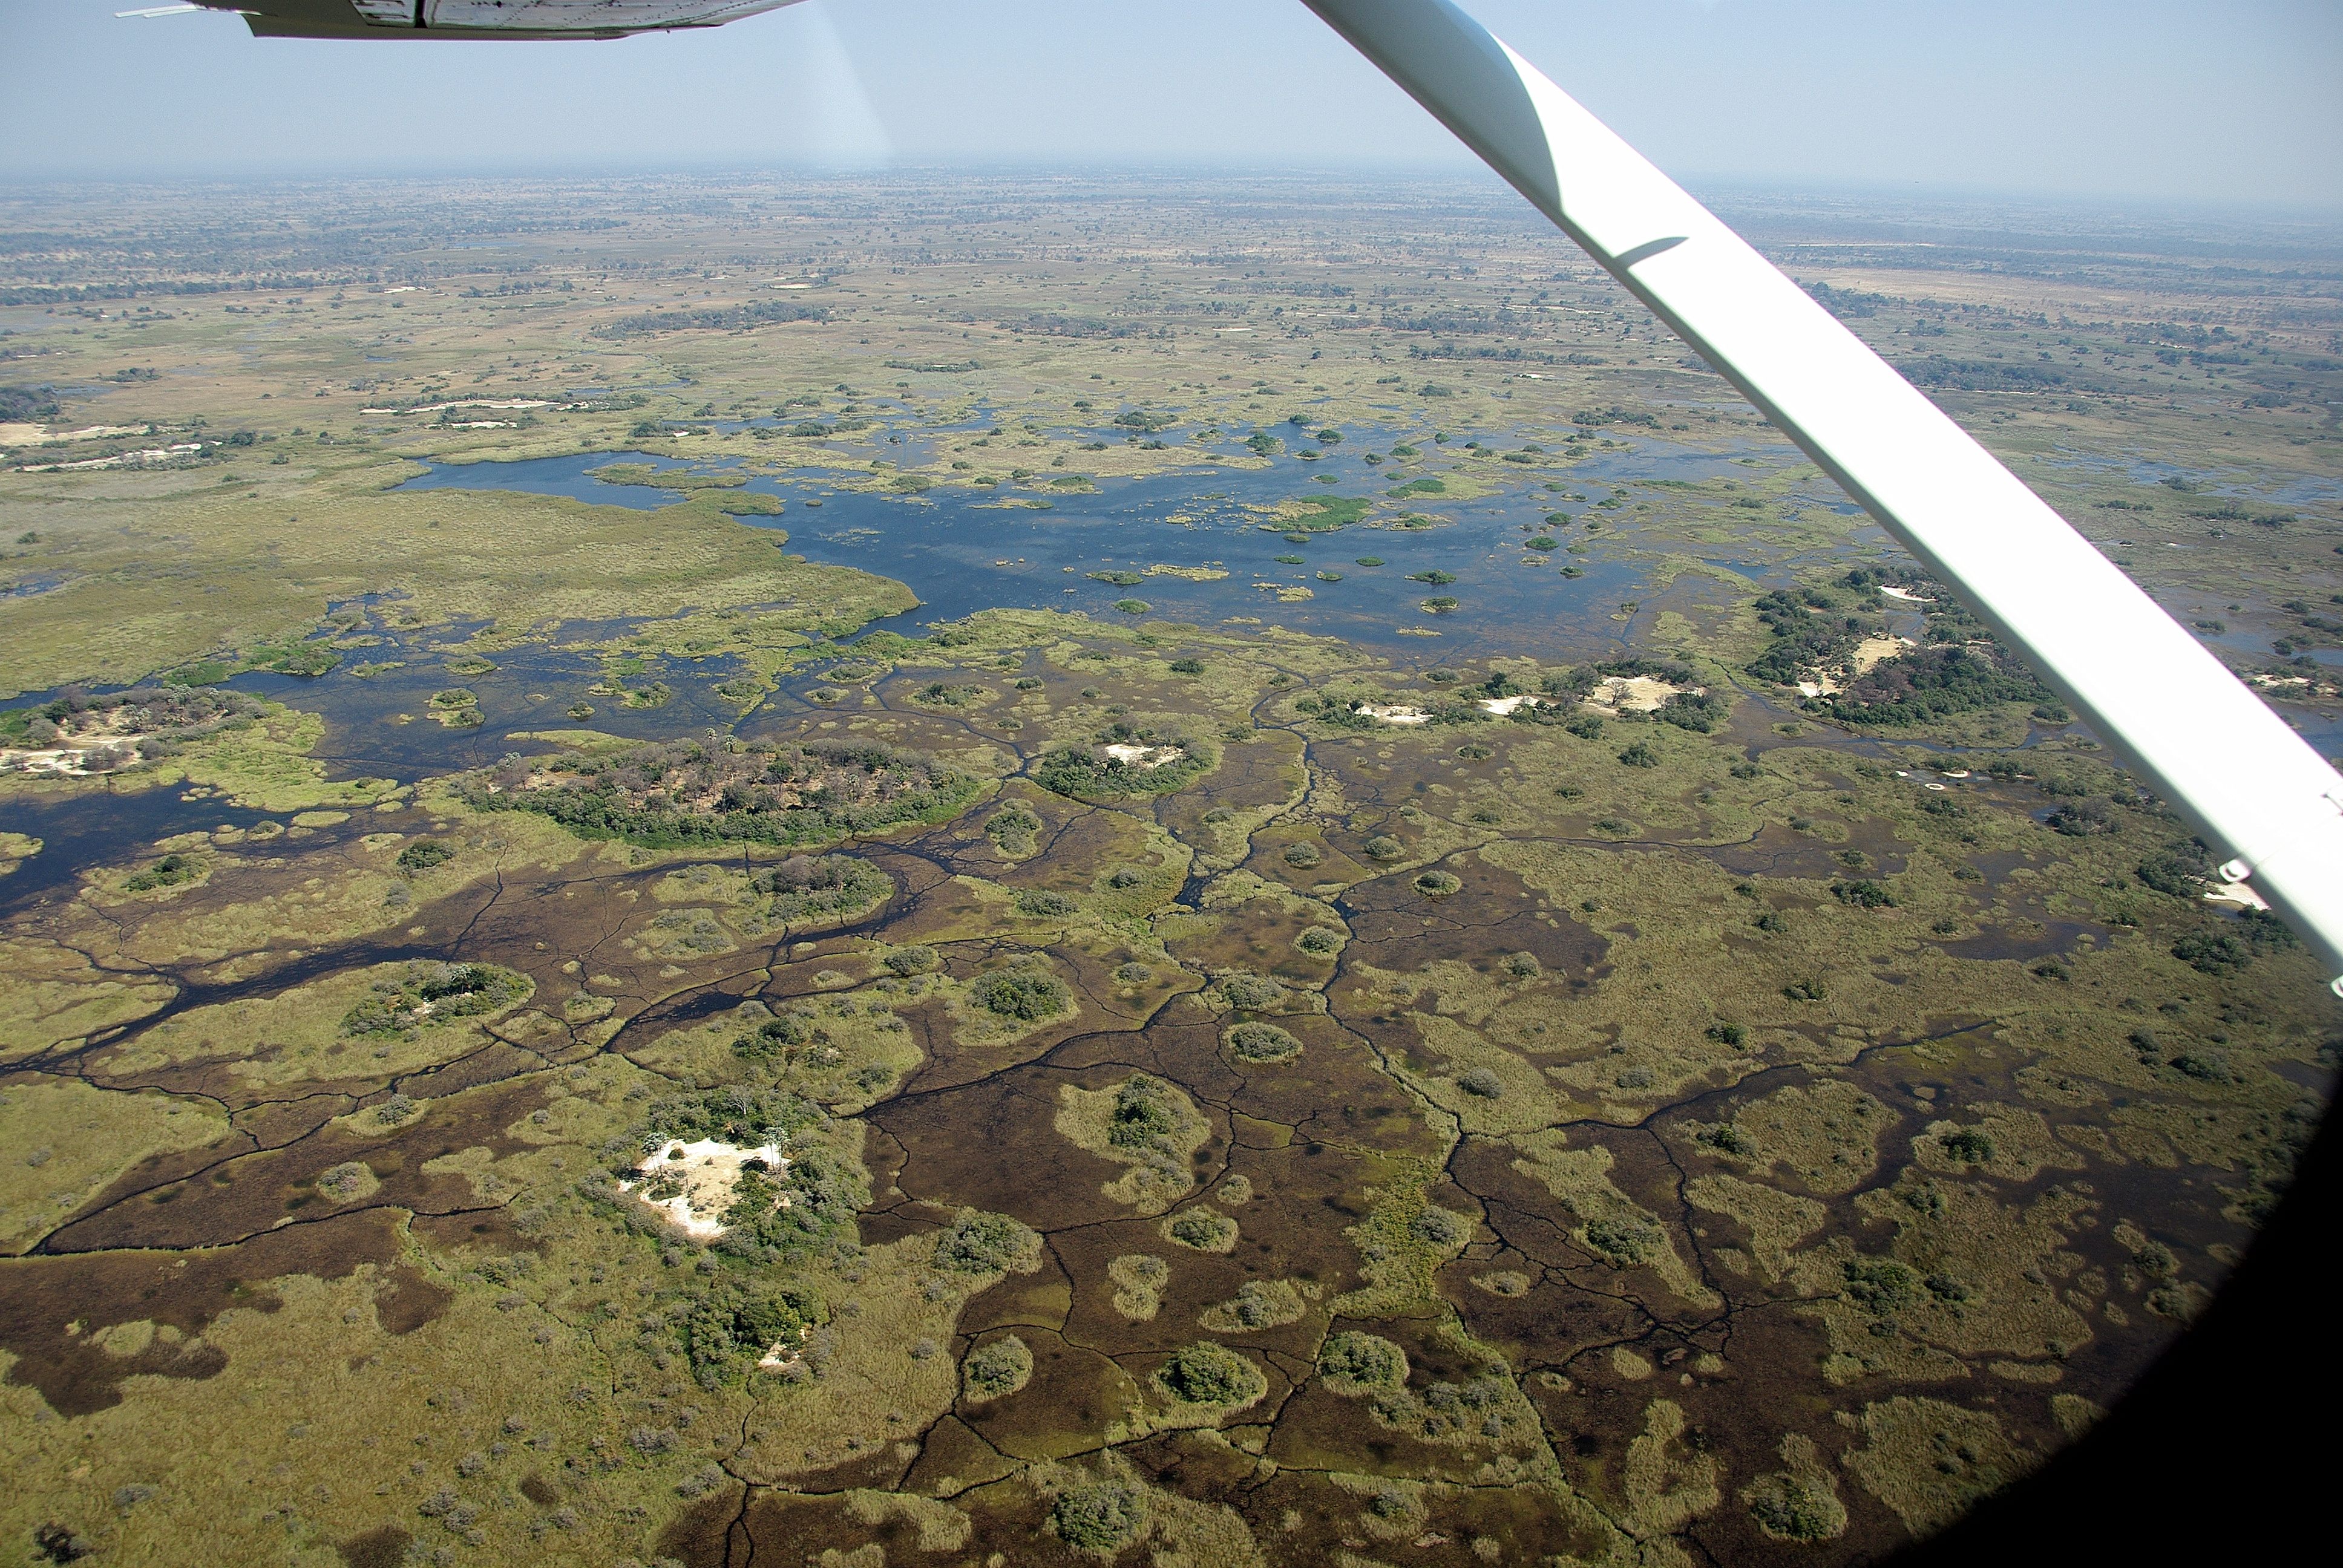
(2239, 100)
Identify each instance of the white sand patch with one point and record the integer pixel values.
(105, 740)
(1144, 757)
(692, 1183)
(1872, 651)
(1637, 694)
(1391, 713)
(27, 435)
(62, 761)
(2236, 893)
(1897, 593)
(1503, 707)
(474, 403)
(1821, 686)
(119, 460)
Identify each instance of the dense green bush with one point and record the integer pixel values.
(1355, 1364)
(429, 994)
(1001, 1367)
(1260, 1043)
(172, 870)
(685, 794)
(1624, 1241)
(982, 1243)
(811, 888)
(1101, 1518)
(1028, 995)
(423, 854)
(1209, 1373)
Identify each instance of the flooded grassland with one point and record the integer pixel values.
(750, 971)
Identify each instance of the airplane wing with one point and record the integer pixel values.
(2252, 789)
(483, 18)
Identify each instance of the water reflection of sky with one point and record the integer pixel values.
(964, 550)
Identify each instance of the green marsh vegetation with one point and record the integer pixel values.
(2042, 965)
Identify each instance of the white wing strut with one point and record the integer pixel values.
(2250, 786)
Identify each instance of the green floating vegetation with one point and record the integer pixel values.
(1119, 579)
(643, 474)
(685, 794)
(1322, 514)
(430, 994)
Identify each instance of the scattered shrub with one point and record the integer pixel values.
(982, 1243)
(423, 854)
(775, 1037)
(1204, 1229)
(1355, 1364)
(1002, 1367)
(1481, 1082)
(1967, 1144)
(1028, 995)
(1209, 1373)
(1250, 992)
(1101, 1518)
(1260, 1042)
(1437, 884)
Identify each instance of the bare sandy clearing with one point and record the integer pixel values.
(692, 1183)
(1637, 694)
(1144, 757)
(1391, 713)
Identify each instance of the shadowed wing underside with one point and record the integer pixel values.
(484, 18)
